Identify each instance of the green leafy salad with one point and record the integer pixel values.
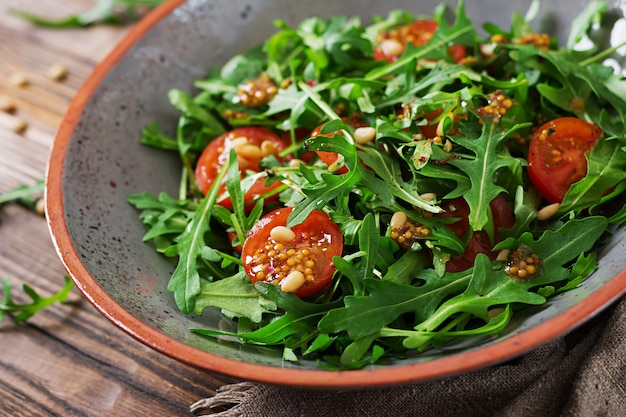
(352, 193)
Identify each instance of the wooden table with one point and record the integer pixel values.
(67, 360)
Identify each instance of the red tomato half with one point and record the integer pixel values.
(271, 253)
(251, 145)
(418, 33)
(479, 241)
(556, 156)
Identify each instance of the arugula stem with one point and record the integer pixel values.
(27, 195)
(601, 55)
(355, 255)
(25, 311)
(317, 99)
(183, 186)
(229, 258)
(458, 319)
(238, 229)
(275, 191)
(291, 149)
(289, 59)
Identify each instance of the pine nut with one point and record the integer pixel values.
(503, 255)
(19, 126)
(226, 327)
(292, 282)
(398, 220)
(487, 49)
(494, 312)
(250, 151)
(440, 125)
(40, 207)
(57, 72)
(548, 211)
(18, 79)
(363, 135)
(282, 234)
(268, 148)
(429, 196)
(391, 47)
(237, 142)
(7, 105)
(13, 122)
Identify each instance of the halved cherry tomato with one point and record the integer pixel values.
(271, 252)
(479, 242)
(393, 42)
(251, 145)
(556, 156)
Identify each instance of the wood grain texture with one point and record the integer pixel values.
(68, 360)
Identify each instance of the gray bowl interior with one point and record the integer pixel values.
(105, 161)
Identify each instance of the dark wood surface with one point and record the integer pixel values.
(67, 360)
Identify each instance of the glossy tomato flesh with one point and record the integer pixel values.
(317, 240)
(479, 242)
(216, 154)
(556, 156)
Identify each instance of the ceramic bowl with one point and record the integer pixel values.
(97, 161)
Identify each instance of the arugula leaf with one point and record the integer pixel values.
(368, 241)
(404, 269)
(190, 246)
(183, 102)
(236, 295)
(151, 135)
(386, 301)
(606, 167)
(582, 23)
(299, 317)
(461, 31)
(164, 217)
(104, 11)
(490, 157)
(489, 287)
(319, 194)
(271, 334)
(390, 171)
(22, 312)
(25, 194)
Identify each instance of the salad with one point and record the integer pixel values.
(351, 193)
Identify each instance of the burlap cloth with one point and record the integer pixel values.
(582, 374)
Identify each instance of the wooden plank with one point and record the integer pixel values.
(68, 359)
(95, 42)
